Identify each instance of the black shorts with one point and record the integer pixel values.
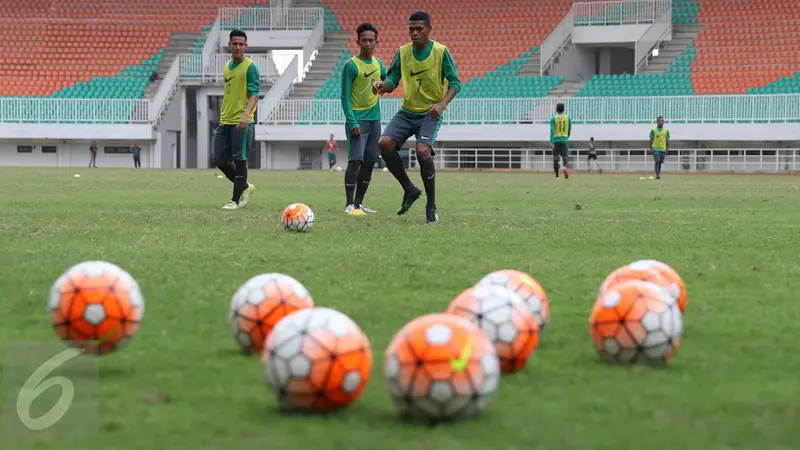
(560, 149)
(231, 144)
(592, 156)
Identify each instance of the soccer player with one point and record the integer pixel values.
(593, 157)
(560, 131)
(332, 149)
(235, 133)
(430, 81)
(363, 118)
(659, 144)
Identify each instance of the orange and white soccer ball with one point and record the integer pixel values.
(297, 217)
(639, 272)
(634, 322)
(261, 303)
(528, 289)
(503, 317)
(317, 360)
(676, 286)
(441, 367)
(96, 306)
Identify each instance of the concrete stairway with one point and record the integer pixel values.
(682, 35)
(532, 68)
(567, 89)
(322, 66)
(178, 43)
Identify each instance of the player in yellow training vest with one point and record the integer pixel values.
(430, 81)
(362, 114)
(659, 144)
(560, 131)
(235, 133)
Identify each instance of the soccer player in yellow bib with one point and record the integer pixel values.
(430, 81)
(235, 133)
(560, 131)
(659, 144)
(362, 114)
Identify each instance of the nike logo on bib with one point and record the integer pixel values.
(367, 75)
(229, 79)
(413, 74)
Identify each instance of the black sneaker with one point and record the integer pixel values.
(409, 197)
(431, 216)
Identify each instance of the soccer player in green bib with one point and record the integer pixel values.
(560, 131)
(235, 133)
(362, 114)
(659, 144)
(430, 81)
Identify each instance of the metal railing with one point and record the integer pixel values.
(652, 38)
(626, 160)
(555, 43)
(270, 18)
(74, 110)
(620, 12)
(582, 110)
(211, 69)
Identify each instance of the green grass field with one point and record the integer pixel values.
(182, 383)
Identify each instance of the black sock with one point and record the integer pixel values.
(350, 180)
(427, 170)
(227, 168)
(658, 169)
(240, 180)
(395, 165)
(364, 177)
(555, 168)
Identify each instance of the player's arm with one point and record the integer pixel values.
(253, 88)
(667, 142)
(552, 130)
(392, 78)
(569, 129)
(349, 73)
(384, 71)
(450, 73)
(652, 136)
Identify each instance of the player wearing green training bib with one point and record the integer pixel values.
(362, 114)
(430, 81)
(560, 131)
(659, 144)
(235, 133)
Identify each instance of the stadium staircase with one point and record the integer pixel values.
(682, 37)
(178, 43)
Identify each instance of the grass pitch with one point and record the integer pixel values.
(182, 383)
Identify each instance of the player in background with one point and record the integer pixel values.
(236, 130)
(560, 131)
(430, 82)
(593, 157)
(332, 150)
(362, 112)
(659, 144)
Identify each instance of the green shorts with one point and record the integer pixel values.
(560, 149)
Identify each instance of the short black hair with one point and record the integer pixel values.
(237, 33)
(560, 108)
(421, 16)
(591, 139)
(366, 26)
(660, 117)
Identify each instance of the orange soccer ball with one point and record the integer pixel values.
(96, 306)
(505, 320)
(528, 289)
(317, 360)
(261, 303)
(638, 272)
(297, 217)
(675, 287)
(441, 367)
(635, 322)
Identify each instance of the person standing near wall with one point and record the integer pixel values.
(137, 156)
(93, 154)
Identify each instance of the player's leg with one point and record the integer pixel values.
(426, 132)
(355, 156)
(564, 151)
(371, 154)
(659, 158)
(396, 133)
(221, 149)
(556, 156)
(589, 163)
(241, 144)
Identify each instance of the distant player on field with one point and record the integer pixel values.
(235, 133)
(332, 149)
(560, 131)
(430, 81)
(363, 118)
(659, 144)
(593, 157)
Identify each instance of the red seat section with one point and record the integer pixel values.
(481, 34)
(50, 44)
(745, 44)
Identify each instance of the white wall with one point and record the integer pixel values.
(269, 40)
(617, 34)
(70, 154)
(72, 131)
(577, 64)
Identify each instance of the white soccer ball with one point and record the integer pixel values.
(385, 169)
(528, 289)
(338, 168)
(297, 217)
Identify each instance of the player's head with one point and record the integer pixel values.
(419, 27)
(591, 139)
(331, 136)
(660, 121)
(367, 38)
(560, 108)
(237, 42)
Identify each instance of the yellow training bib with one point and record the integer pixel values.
(235, 97)
(561, 126)
(660, 138)
(423, 84)
(361, 95)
